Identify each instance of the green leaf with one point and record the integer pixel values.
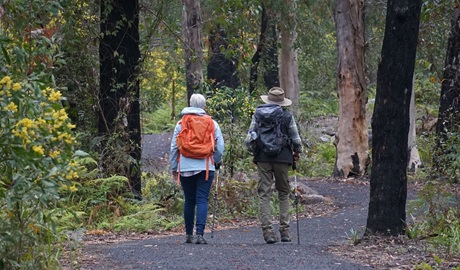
(7, 57)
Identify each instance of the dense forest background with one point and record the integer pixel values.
(71, 132)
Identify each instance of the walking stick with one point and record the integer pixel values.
(296, 201)
(215, 203)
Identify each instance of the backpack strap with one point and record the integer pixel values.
(284, 125)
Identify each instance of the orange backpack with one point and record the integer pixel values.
(196, 138)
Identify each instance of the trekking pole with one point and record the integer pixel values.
(215, 203)
(296, 201)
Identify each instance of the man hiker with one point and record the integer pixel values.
(196, 132)
(274, 140)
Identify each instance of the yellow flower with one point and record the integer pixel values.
(26, 122)
(54, 154)
(432, 79)
(38, 149)
(17, 87)
(73, 188)
(5, 79)
(54, 96)
(11, 107)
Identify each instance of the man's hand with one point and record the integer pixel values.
(296, 156)
(217, 165)
(175, 175)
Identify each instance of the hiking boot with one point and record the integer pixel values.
(270, 237)
(188, 238)
(200, 240)
(285, 237)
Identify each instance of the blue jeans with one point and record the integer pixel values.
(196, 192)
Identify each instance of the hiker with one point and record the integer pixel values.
(273, 162)
(196, 174)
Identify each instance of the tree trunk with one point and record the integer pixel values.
(414, 157)
(390, 122)
(222, 71)
(266, 53)
(351, 139)
(289, 70)
(449, 105)
(270, 54)
(119, 88)
(193, 48)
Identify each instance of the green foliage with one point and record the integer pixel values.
(317, 59)
(159, 121)
(35, 166)
(319, 161)
(37, 143)
(437, 217)
(354, 236)
(237, 198)
(232, 109)
(78, 23)
(448, 158)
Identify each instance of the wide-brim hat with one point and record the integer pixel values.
(276, 96)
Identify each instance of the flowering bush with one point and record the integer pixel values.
(36, 167)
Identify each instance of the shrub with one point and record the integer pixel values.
(36, 170)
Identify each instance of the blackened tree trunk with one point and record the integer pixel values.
(266, 53)
(351, 140)
(449, 105)
(271, 70)
(119, 90)
(222, 70)
(193, 47)
(390, 122)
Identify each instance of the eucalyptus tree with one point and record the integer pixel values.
(390, 120)
(193, 45)
(351, 139)
(119, 111)
(289, 68)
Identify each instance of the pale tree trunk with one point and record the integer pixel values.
(351, 139)
(193, 47)
(414, 157)
(289, 71)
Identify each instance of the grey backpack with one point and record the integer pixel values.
(269, 119)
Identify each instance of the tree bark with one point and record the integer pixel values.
(119, 116)
(449, 105)
(414, 157)
(222, 71)
(266, 52)
(270, 54)
(289, 70)
(390, 122)
(193, 47)
(351, 139)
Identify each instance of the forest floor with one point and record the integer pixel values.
(340, 243)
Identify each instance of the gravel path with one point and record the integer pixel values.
(244, 247)
(155, 150)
